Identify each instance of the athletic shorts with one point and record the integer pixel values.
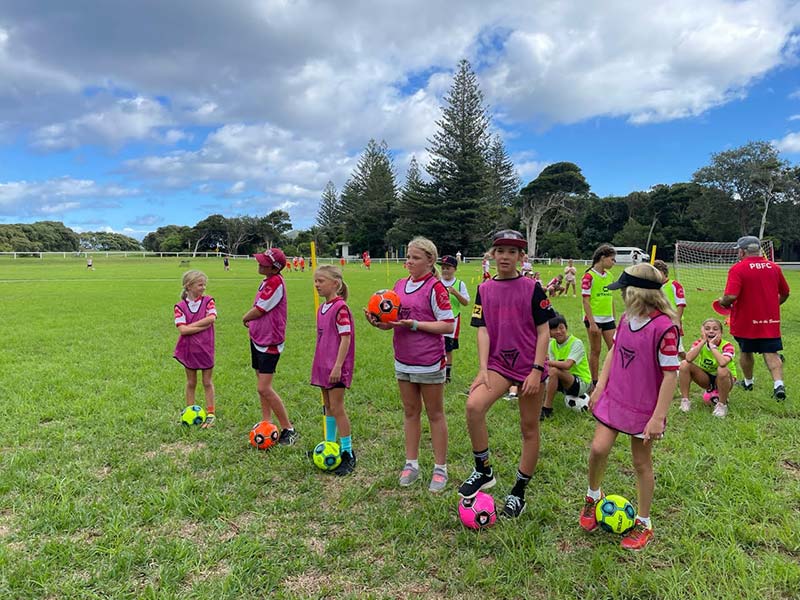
(428, 378)
(335, 386)
(578, 387)
(450, 344)
(263, 362)
(760, 345)
(610, 326)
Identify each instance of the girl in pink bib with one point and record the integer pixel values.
(334, 357)
(419, 357)
(194, 317)
(633, 393)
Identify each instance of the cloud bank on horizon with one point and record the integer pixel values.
(126, 117)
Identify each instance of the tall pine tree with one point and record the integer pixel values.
(414, 209)
(329, 214)
(459, 165)
(502, 187)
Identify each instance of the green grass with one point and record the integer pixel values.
(104, 495)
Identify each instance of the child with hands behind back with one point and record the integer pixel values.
(634, 392)
(334, 358)
(419, 353)
(194, 317)
(710, 364)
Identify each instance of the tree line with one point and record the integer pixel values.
(469, 188)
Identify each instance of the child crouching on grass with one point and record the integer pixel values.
(194, 317)
(334, 358)
(634, 392)
(710, 364)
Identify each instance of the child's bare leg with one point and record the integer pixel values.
(595, 341)
(645, 481)
(191, 386)
(271, 401)
(552, 387)
(724, 383)
(412, 411)
(608, 336)
(602, 442)
(208, 388)
(479, 402)
(529, 409)
(336, 410)
(433, 397)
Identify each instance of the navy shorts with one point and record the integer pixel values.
(450, 344)
(759, 345)
(263, 362)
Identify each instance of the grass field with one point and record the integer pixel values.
(104, 495)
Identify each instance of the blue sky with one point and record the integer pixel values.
(124, 117)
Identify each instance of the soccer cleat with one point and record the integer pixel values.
(513, 507)
(747, 387)
(546, 413)
(638, 537)
(211, 419)
(720, 410)
(686, 405)
(408, 475)
(779, 393)
(288, 437)
(348, 464)
(438, 481)
(588, 518)
(475, 483)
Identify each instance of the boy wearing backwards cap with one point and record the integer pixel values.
(459, 296)
(266, 322)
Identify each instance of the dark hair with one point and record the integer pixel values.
(558, 320)
(661, 266)
(602, 251)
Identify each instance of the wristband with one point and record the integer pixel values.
(538, 368)
(414, 325)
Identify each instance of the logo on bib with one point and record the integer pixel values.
(509, 357)
(627, 356)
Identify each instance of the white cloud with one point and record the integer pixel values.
(54, 196)
(789, 144)
(794, 118)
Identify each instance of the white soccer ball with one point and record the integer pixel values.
(577, 403)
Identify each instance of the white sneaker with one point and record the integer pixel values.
(686, 404)
(720, 410)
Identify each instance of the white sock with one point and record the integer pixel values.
(593, 494)
(645, 521)
(777, 383)
(441, 467)
(413, 462)
(685, 398)
(748, 381)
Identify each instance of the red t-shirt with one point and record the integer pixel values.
(757, 284)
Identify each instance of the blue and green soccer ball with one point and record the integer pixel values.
(193, 415)
(327, 455)
(615, 514)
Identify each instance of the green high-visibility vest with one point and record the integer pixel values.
(561, 352)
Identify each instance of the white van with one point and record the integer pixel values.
(625, 255)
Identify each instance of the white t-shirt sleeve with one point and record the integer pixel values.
(463, 291)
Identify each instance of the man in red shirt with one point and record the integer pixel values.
(755, 290)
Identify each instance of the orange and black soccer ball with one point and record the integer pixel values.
(263, 435)
(384, 305)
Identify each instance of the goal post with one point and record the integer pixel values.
(704, 265)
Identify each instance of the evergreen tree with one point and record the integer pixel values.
(502, 186)
(328, 215)
(414, 214)
(368, 200)
(459, 165)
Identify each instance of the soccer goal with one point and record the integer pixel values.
(704, 265)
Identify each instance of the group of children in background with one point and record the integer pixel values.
(521, 343)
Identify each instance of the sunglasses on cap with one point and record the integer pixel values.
(509, 237)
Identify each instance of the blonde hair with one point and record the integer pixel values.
(640, 302)
(189, 278)
(717, 321)
(335, 273)
(429, 248)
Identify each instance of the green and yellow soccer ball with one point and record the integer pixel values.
(193, 415)
(327, 455)
(615, 514)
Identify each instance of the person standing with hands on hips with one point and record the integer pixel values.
(754, 292)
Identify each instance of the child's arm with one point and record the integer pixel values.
(566, 365)
(482, 378)
(602, 380)
(694, 351)
(534, 379)
(251, 315)
(655, 426)
(344, 346)
(457, 293)
(587, 310)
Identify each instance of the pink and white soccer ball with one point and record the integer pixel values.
(478, 512)
(710, 396)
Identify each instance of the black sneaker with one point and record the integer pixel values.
(288, 437)
(348, 464)
(475, 483)
(747, 387)
(546, 413)
(779, 393)
(513, 507)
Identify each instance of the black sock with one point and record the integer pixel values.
(482, 461)
(521, 484)
(448, 370)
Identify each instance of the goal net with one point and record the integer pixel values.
(704, 265)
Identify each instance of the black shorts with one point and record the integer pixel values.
(572, 390)
(610, 326)
(760, 345)
(263, 362)
(450, 344)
